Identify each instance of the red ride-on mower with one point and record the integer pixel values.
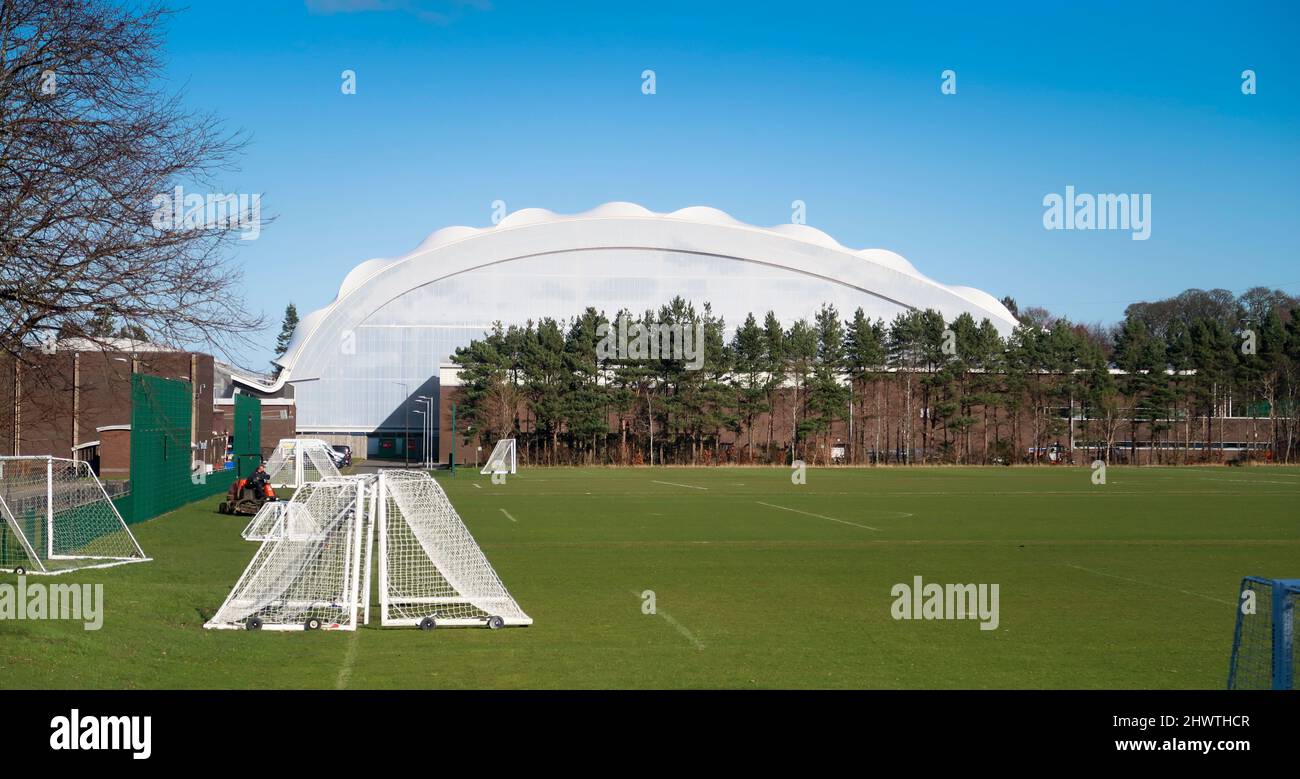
(244, 498)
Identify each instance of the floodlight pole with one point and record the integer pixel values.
(453, 440)
(424, 429)
(424, 420)
(428, 458)
(406, 432)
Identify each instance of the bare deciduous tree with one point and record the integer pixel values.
(88, 143)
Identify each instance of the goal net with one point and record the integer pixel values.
(1264, 654)
(307, 573)
(58, 518)
(429, 564)
(299, 461)
(276, 519)
(502, 459)
(313, 568)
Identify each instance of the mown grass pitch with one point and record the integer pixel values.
(758, 582)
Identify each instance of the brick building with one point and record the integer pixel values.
(74, 400)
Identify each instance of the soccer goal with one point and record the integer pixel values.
(307, 574)
(431, 571)
(1264, 655)
(58, 518)
(299, 461)
(502, 459)
(313, 569)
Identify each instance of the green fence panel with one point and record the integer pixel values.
(161, 451)
(247, 428)
(125, 507)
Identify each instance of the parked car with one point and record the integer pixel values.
(342, 454)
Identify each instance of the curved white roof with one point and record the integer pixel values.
(699, 230)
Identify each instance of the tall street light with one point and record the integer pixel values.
(423, 421)
(406, 434)
(428, 422)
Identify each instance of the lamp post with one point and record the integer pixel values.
(406, 433)
(430, 420)
(424, 429)
(423, 421)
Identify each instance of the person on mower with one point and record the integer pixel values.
(259, 481)
(246, 496)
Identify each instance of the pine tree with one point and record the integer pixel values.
(864, 355)
(828, 397)
(774, 363)
(801, 358)
(101, 325)
(1142, 359)
(286, 331)
(747, 354)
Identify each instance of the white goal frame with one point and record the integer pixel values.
(308, 566)
(99, 538)
(299, 461)
(503, 458)
(430, 567)
(313, 568)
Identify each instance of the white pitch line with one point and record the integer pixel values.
(349, 660)
(675, 484)
(478, 486)
(1149, 584)
(679, 627)
(819, 516)
(507, 513)
(1250, 481)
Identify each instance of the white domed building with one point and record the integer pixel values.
(358, 364)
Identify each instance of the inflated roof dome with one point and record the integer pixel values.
(701, 230)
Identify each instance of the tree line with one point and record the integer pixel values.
(917, 389)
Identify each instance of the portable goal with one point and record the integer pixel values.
(502, 459)
(1264, 652)
(313, 568)
(307, 571)
(299, 461)
(58, 518)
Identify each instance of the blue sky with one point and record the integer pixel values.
(758, 104)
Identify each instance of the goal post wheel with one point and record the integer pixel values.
(313, 623)
(495, 623)
(428, 624)
(20, 571)
(253, 623)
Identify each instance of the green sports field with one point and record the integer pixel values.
(758, 583)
